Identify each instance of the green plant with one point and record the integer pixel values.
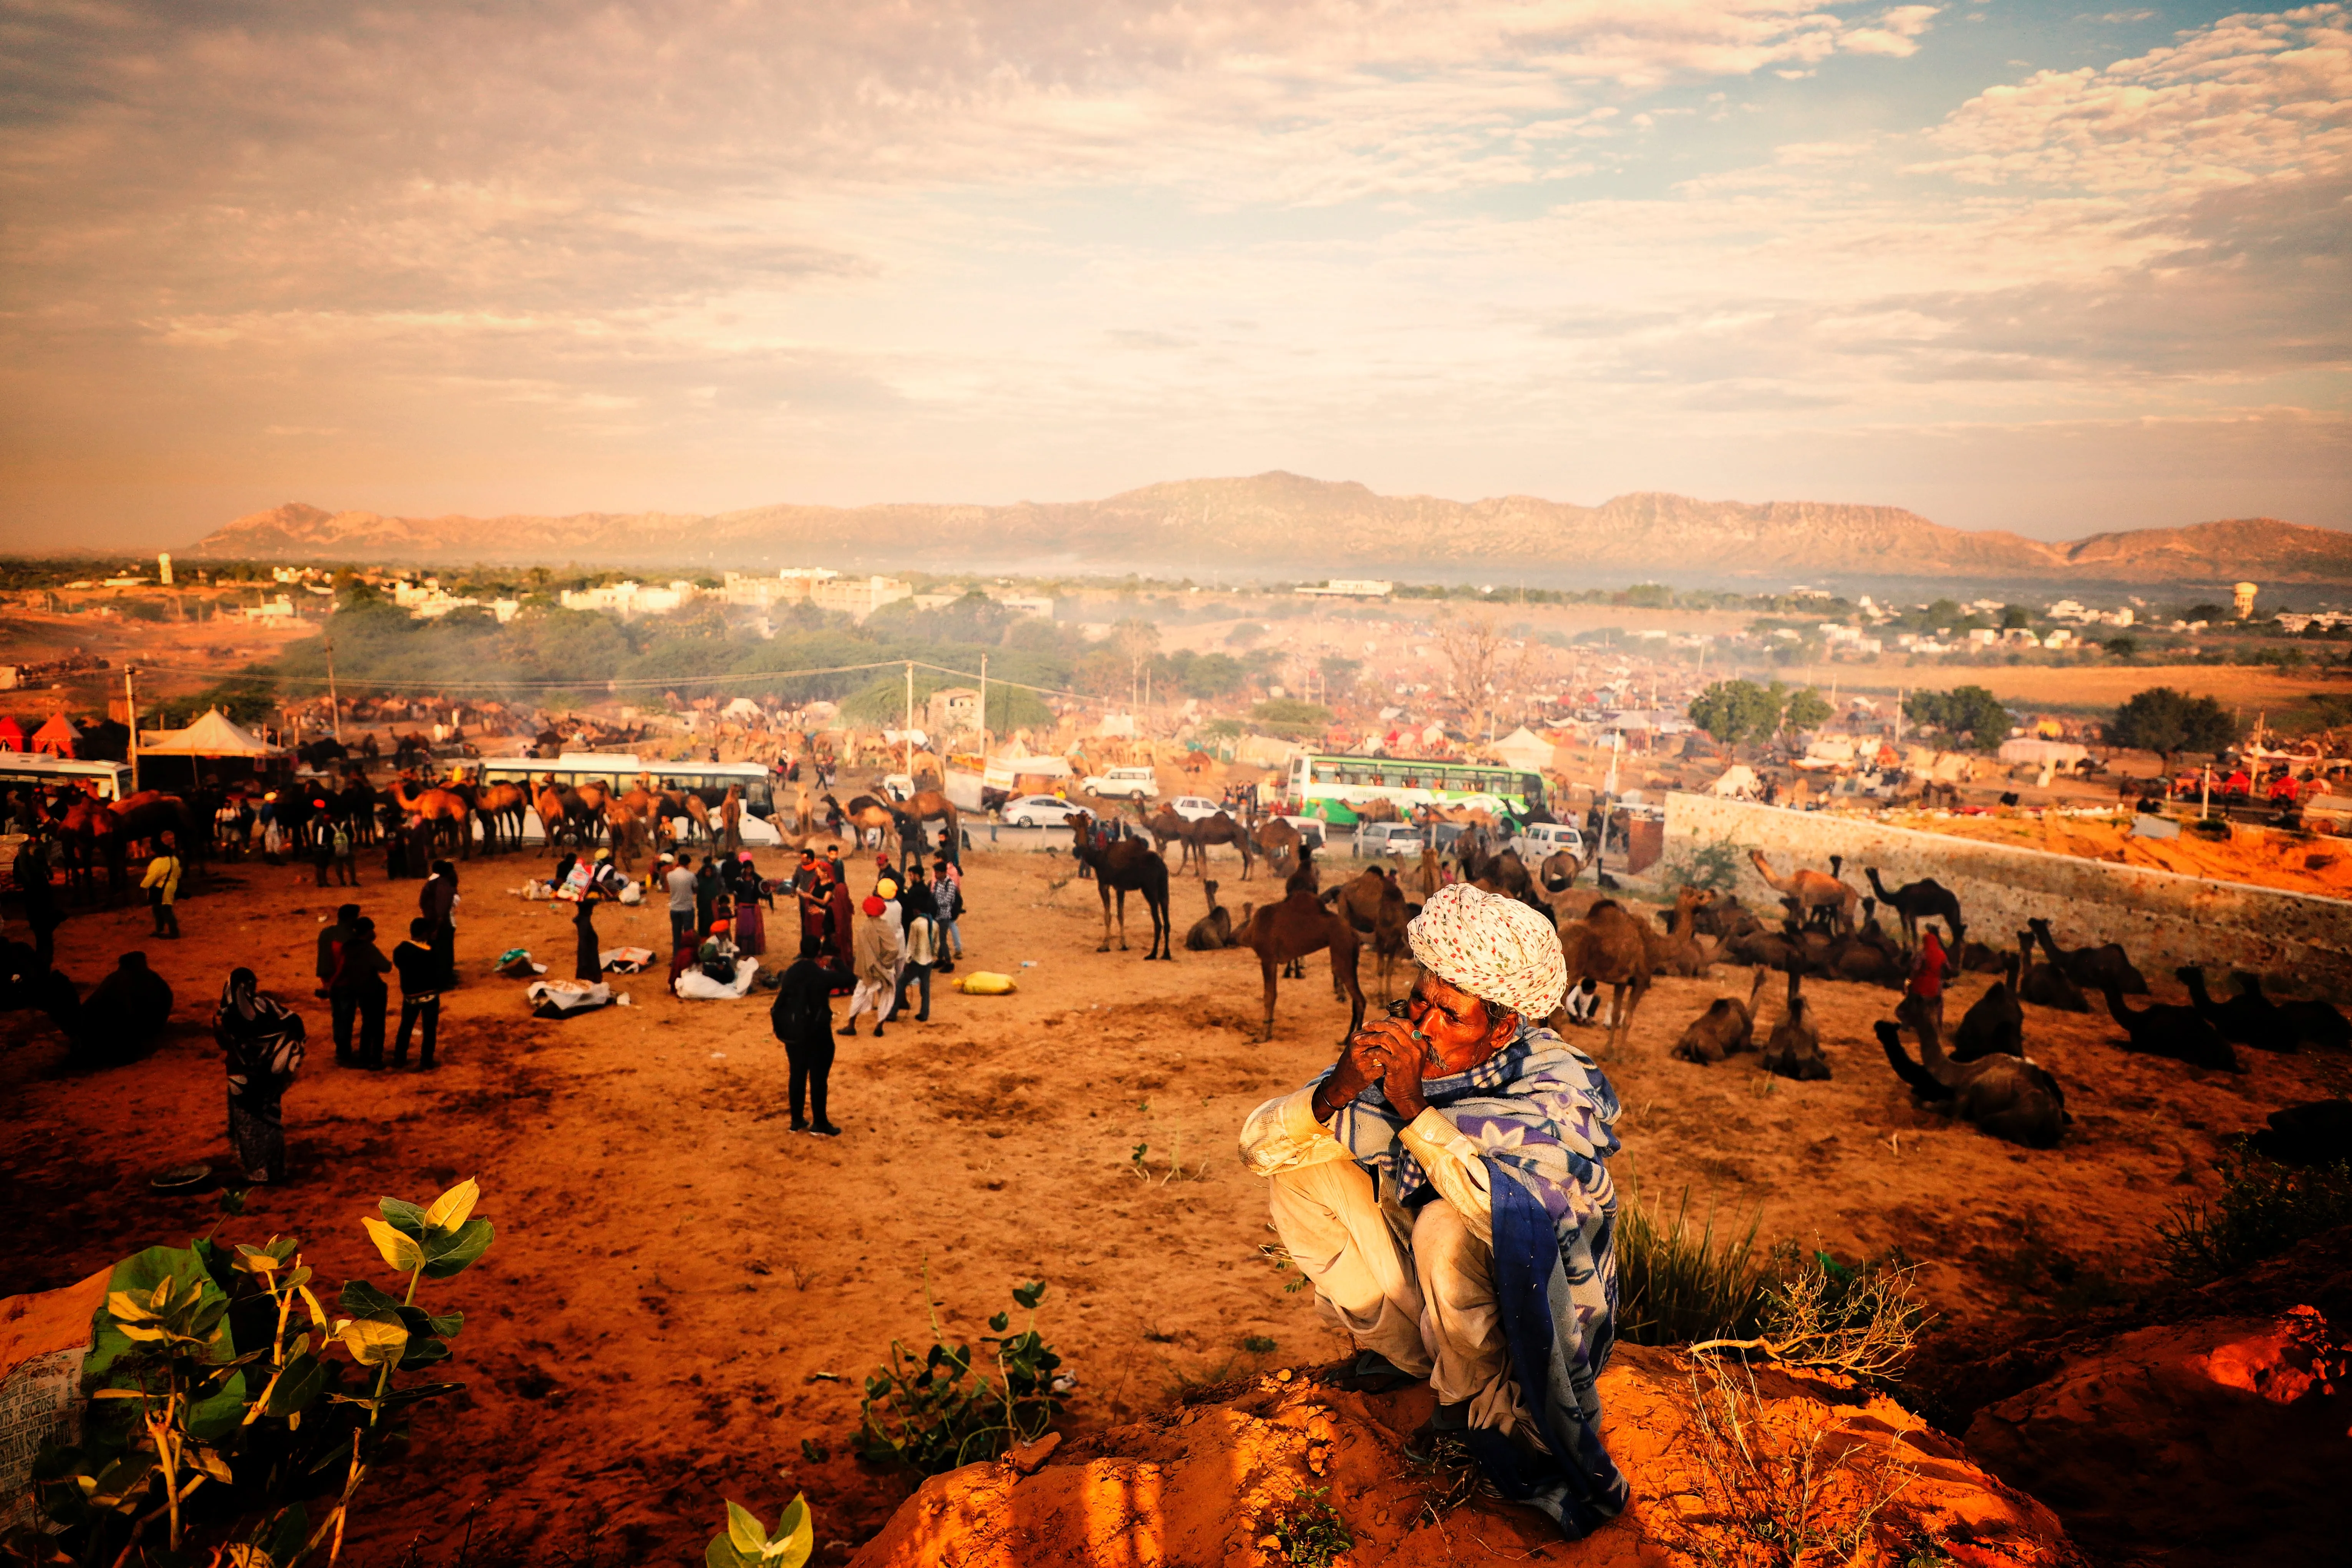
(1714, 867)
(220, 1413)
(2167, 721)
(2263, 1208)
(1258, 1345)
(1275, 1252)
(747, 1543)
(1305, 1532)
(1676, 1283)
(931, 1416)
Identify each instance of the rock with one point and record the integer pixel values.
(2218, 1440)
(1204, 1484)
(1028, 1458)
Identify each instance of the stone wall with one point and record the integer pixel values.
(2296, 941)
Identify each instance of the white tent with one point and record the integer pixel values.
(1523, 748)
(742, 709)
(210, 736)
(1738, 783)
(2029, 749)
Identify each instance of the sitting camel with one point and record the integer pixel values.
(1285, 932)
(1724, 1029)
(1994, 1024)
(2163, 1030)
(1794, 1047)
(1812, 891)
(1679, 950)
(1608, 945)
(2312, 1022)
(1214, 929)
(2244, 1020)
(2007, 1097)
(2092, 967)
(2046, 984)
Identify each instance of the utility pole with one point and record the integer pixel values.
(333, 707)
(130, 716)
(909, 736)
(983, 714)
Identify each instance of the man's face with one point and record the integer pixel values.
(1458, 1028)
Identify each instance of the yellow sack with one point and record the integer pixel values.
(983, 984)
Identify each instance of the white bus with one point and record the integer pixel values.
(107, 781)
(1329, 787)
(621, 771)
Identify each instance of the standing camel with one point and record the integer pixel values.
(1218, 829)
(1812, 891)
(501, 807)
(930, 806)
(1926, 899)
(1167, 826)
(1128, 865)
(1607, 945)
(441, 810)
(865, 814)
(1285, 932)
(1278, 840)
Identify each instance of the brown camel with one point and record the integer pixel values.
(2012, 1098)
(628, 831)
(930, 806)
(440, 809)
(1285, 932)
(1214, 929)
(1430, 875)
(1812, 891)
(1608, 946)
(1380, 808)
(1280, 841)
(1218, 829)
(1167, 828)
(501, 807)
(865, 814)
(730, 820)
(1794, 1047)
(1129, 866)
(1558, 871)
(1678, 950)
(1724, 1029)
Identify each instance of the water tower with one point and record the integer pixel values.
(2242, 599)
(164, 569)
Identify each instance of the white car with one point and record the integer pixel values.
(1123, 784)
(1539, 840)
(1401, 840)
(1194, 807)
(1041, 811)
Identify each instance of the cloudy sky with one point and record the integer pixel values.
(2012, 264)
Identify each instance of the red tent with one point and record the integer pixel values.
(12, 734)
(60, 735)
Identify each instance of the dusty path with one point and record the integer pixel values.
(673, 1269)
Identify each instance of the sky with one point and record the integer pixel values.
(2012, 265)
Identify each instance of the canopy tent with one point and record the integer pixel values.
(214, 735)
(2038, 752)
(1523, 749)
(12, 734)
(1738, 783)
(60, 735)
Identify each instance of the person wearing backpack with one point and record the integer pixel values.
(922, 948)
(339, 846)
(802, 1018)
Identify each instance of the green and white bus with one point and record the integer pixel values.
(1328, 787)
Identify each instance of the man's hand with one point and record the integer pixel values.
(1401, 1081)
(1362, 1062)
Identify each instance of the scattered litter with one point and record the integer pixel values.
(625, 960)
(515, 963)
(825, 1377)
(719, 1056)
(980, 983)
(696, 986)
(1028, 964)
(565, 999)
(633, 893)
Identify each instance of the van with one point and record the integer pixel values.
(1537, 841)
(1123, 784)
(1398, 838)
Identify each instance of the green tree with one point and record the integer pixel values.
(2122, 647)
(1737, 711)
(1807, 710)
(2015, 616)
(1970, 711)
(1213, 675)
(2166, 721)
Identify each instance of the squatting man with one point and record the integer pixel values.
(1443, 1186)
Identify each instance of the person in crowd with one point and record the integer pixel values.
(838, 903)
(708, 887)
(753, 901)
(162, 886)
(420, 994)
(342, 1005)
(343, 850)
(261, 1042)
(947, 908)
(123, 1014)
(36, 890)
(802, 1018)
(718, 956)
(920, 948)
(1582, 1001)
(322, 850)
(360, 969)
(876, 956)
(1924, 993)
(1459, 1223)
(588, 951)
(395, 846)
(437, 902)
(812, 892)
(679, 883)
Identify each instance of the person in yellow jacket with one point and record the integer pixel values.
(163, 885)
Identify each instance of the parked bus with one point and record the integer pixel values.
(621, 771)
(1329, 787)
(107, 781)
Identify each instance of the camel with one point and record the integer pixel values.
(2008, 1098)
(1373, 905)
(500, 807)
(2046, 984)
(1994, 1024)
(1724, 1029)
(1430, 874)
(629, 835)
(1284, 934)
(1926, 899)
(1678, 950)
(866, 814)
(564, 816)
(2312, 1022)
(1608, 946)
(730, 820)
(440, 809)
(1218, 829)
(930, 806)
(2245, 1019)
(1794, 1047)
(2163, 1030)
(1280, 842)
(1390, 938)
(1558, 870)
(1128, 865)
(666, 805)
(1214, 929)
(2090, 966)
(1380, 808)
(1812, 891)
(1166, 827)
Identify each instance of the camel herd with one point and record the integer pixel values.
(1981, 1073)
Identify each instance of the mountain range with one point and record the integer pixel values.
(1280, 524)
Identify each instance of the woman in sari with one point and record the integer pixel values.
(753, 901)
(262, 1039)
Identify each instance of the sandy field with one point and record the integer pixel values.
(682, 1293)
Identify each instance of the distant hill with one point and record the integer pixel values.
(1280, 523)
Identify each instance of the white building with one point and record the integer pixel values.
(281, 608)
(1352, 588)
(631, 598)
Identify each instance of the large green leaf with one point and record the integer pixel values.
(447, 1254)
(796, 1536)
(297, 1385)
(400, 1251)
(721, 1554)
(138, 1275)
(452, 1208)
(421, 1351)
(358, 1300)
(745, 1531)
(404, 1217)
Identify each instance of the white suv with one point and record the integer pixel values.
(1194, 807)
(1123, 784)
(1538, 840)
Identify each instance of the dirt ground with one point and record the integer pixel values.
(682, 1293)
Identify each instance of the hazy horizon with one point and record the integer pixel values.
(2007, 266)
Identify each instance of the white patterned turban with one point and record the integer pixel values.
(1493, 947)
